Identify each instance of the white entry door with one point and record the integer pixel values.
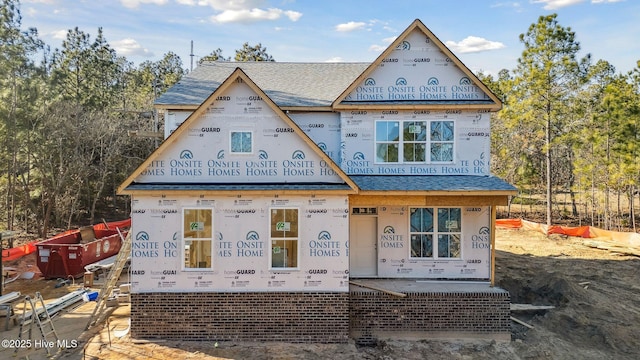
(363, 249)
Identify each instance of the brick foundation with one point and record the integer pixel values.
(318, 317)
(376, 314)
(287, 317)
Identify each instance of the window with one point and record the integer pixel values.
(414, 134)
(421, 232)
(284, 238)
(241, 142)
(387, 141)
(440, 224)
(441, 141)
(197, 234)
(449, 232)
(414, 144)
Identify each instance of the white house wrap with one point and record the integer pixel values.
(278, 184)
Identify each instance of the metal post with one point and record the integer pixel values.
(9, 235)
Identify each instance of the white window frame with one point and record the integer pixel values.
(183, 243)
(231, 132)
(387, 142)
(431, 142)
(428, 142)
(271, 239)
(435, 234)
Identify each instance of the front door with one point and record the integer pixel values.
(363, 249)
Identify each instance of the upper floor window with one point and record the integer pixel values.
(387, 141)
(241, 142)
(441, 136)
(424, 141)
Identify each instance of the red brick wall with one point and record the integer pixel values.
(477, 313)
(287, 317)
(314, 317)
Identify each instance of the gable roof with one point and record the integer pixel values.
(493, 104)
(129, 186)
(289, 85)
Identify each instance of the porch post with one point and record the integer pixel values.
(493, 246)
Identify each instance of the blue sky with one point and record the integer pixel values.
(484, 34)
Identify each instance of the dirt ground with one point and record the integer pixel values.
(596, 295)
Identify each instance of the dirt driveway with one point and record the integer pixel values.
(596, 295)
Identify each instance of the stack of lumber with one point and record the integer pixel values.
(622, 248)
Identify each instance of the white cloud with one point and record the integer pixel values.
(473, 44)
(223, 5)
(130, 47)
(243, 11)
(605, 1)
(556, 4)
(377, 48)
(514, 5)
(47, 2)
(380, 48)
(293, 15)
(253, 15)
(60, 34)
(389, 40)
(350, 26)
(132, 4)
(335, 59)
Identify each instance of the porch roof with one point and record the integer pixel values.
(490, 185)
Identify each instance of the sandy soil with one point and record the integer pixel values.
(596, 294)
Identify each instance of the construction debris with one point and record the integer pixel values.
(522, 323)
(613, 247)
(529, 307)
(61, 303)
(10, 297)
(42, 318)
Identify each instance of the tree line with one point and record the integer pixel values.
(65, 117)
(568, 125)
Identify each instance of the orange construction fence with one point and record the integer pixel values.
(18, 252)
(628, 238)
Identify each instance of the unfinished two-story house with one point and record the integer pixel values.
(317, 202)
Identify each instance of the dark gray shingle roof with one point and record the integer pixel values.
(237, 187)
(287, 84)
(431, 183)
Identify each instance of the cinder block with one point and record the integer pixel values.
(111, 302)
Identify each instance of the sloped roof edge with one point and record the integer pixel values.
(416, 24)
(237, 75)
